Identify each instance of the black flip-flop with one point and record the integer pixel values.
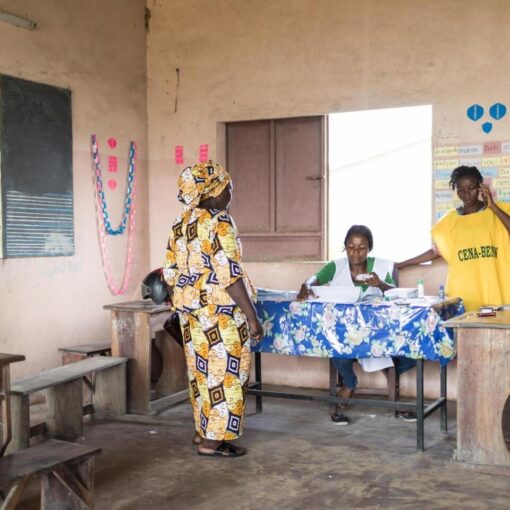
(224, 449)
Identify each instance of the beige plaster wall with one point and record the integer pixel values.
(98, 50)
(246, 60)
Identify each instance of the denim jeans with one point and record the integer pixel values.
(345, 368)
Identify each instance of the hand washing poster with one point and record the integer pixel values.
(491, 158)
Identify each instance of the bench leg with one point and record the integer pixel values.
(65, 410)
(333, 377)
(20, 415)
(15, 493)
(69, 486)
(109, 397)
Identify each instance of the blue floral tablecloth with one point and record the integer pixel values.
(312, 328)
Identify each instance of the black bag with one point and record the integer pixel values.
(173, 326)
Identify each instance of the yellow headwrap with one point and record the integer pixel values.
(203, 181)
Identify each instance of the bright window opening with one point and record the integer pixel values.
(380, 176)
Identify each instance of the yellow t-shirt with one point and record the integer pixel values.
(477, 249)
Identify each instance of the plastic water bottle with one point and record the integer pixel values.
(440, 294)
(421, 289)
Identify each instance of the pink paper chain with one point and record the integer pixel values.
(126, 280)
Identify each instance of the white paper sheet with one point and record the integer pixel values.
(374, 364)
(336, 293)
(401, 293)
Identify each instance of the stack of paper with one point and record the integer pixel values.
(401, 293)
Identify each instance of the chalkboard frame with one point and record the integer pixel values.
(36, 169)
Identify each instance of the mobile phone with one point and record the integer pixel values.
(486, 311)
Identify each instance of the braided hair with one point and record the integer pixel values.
(465, 171)
(362, 231)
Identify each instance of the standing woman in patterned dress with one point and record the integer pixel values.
(214, 297)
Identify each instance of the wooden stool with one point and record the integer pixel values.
(78, 352)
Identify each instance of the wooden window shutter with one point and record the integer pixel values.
(279, 173)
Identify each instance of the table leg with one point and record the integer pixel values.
(258, 380)
(6, 408)
(332, 387)
(420, 430)
(444, 408)
(393, 386)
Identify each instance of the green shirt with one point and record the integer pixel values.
(326, 274)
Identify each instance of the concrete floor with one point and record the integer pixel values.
(298, 459)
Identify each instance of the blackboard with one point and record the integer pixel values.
(36, 169)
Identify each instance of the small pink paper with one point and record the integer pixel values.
(492, 148)
(112, 143)
(112, 163)
(179, 154)
(112, 184)
(203, 155)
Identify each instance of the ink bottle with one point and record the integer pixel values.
(421, 289)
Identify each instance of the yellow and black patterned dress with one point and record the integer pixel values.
(203, 258)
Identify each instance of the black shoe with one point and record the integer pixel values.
(340, 419)
(409, 416)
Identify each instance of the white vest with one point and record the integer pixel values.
(343, 275)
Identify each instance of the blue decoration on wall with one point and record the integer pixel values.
(487, 127)
(497, 111)
(475, 112)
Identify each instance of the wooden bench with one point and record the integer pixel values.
(64, 397)
(66, 471)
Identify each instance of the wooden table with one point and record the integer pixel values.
(285, 316)
(5, 384)
(483, 390)
(134, 325)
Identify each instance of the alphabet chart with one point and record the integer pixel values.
(491, 158)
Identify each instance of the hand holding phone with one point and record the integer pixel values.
(486, 195)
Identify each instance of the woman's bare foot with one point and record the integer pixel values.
(197, 439)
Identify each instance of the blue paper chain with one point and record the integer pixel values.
(129, 189)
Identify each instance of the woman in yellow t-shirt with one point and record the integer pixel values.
(474, 239)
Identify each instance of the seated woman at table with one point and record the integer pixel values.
(474, 240)
(378, 276)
